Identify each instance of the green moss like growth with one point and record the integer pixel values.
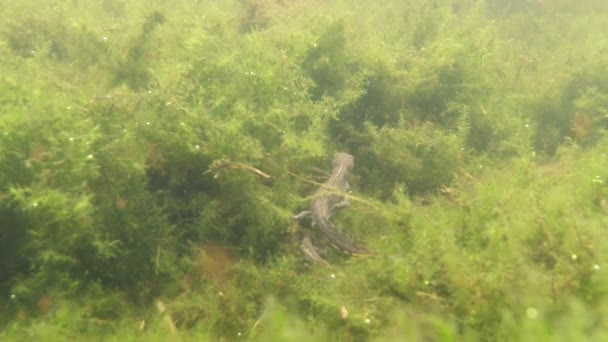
(150, 168)
(133, 70)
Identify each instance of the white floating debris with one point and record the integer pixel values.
(343, 312)
(531, 313)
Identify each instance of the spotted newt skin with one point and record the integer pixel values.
(325, 203)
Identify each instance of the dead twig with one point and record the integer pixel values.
(330, 190)
(219, 165)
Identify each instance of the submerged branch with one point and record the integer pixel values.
(219, 165)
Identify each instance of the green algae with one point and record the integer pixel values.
(136, 139)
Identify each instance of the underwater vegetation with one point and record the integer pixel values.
(152, 155)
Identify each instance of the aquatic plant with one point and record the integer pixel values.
(149, 169)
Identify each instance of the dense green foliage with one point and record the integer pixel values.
(152, 154)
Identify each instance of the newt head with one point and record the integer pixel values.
(343, 159)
